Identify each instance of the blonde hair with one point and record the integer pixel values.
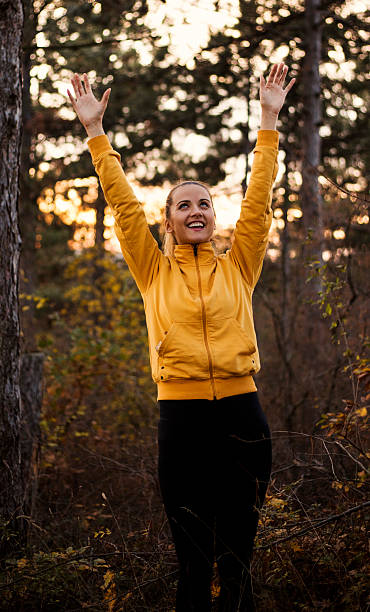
(169, 240)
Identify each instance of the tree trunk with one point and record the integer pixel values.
(248, 14)
(311, 144)
(285, 260)
(28, 199)
(99, 224)
(11, 490)
(31, 396)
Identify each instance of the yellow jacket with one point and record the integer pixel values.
(198, 306)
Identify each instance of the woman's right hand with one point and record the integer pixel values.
(87, 108)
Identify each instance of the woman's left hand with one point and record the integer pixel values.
(272, 92)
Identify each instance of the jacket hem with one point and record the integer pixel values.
(190, 388)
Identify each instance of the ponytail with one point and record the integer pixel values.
(168, 244)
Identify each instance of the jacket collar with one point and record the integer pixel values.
(185, 253)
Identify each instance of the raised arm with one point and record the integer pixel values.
(139, 247)
(252, 228)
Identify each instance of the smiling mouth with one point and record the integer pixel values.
(196, 225)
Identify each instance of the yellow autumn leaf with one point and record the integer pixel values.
(336, 485)
(362, 412)
(108, 578)
(40, 303)
(127, 596)
(276, 502)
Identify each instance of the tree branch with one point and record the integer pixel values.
(107, 41)
(301, 532)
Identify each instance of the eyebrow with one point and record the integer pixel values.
(187, 201)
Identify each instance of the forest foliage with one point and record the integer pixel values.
(97, 537)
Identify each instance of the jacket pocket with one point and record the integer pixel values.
(181, 353)
(233, 350)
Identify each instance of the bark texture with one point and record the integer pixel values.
(11, 28)
(311, 143)
(31, 396)
(99, 224)
(28, 196)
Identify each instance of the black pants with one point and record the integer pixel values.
(214, 467)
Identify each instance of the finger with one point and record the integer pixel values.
(289, 86)
(283, 75)
(74, 86)
(71, 98)
(83, 84)
(262, 81)
(78, 84)
(86, 83)
(105, 98)
(271, 76)
(279, 73)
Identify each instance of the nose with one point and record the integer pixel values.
(196, 211)
(196, 217)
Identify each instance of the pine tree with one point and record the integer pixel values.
(105, 40)
(11, 484)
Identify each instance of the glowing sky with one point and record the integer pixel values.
(186, 28)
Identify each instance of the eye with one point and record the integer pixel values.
(182, 204)
(204, 203)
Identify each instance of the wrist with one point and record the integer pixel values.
(268, 119)
(94, 129)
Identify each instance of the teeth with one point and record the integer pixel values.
(196, 224)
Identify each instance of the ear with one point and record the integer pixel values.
(168, 226)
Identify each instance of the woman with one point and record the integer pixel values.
(214, 441)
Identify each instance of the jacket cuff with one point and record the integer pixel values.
(98, 145)
(266, 138)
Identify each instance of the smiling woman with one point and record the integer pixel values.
(190, 215)
(214, 442)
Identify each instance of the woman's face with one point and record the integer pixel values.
(192, 218)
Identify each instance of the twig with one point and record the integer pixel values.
(125, 547)
(330, 459)
(98, 605)
(330, 519)
(353, 458)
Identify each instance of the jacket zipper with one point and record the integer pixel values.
(204, 321)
